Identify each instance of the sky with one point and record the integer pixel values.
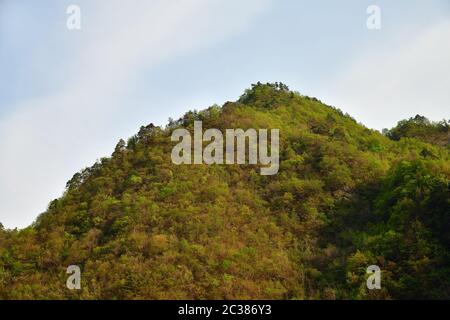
(67, 96)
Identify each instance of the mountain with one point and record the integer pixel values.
(345, 197)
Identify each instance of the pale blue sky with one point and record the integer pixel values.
(66, 97)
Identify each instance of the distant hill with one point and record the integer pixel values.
(345, 197)
(422, 129)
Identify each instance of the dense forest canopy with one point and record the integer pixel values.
(345, 197)
(423, 129)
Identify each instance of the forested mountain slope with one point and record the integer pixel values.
(345, 197)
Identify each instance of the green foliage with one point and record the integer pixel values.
(345, 197)
(422, 129)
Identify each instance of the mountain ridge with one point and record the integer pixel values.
(345, 197)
